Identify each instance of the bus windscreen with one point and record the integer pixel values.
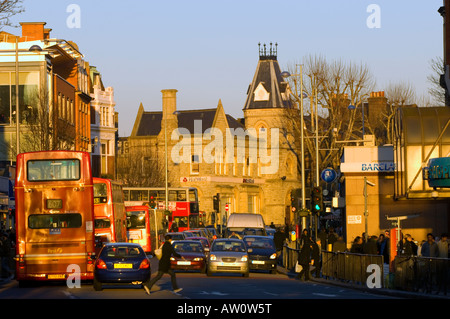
(53, 170)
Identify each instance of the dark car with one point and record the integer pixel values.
(121, 263)
(262, 254)
(193, 256)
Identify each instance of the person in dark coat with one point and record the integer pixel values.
(164, 266)
(304, 259)
(370, 247)
(279, 238)
(315, 256)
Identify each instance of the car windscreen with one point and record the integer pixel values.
(121, 252)
(226, 245)
(255, 242)
(183, 247)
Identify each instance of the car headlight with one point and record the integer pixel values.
(273, 256)
(212, 257)
(172, 258)
(244, 258)
(197, 259)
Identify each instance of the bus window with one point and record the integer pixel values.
(172, 196)
(136, 219)
(53, 170)
(100, 193)
(192, 195)
(102, 223)
(181, 196)
(47, 221)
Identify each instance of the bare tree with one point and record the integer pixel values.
(330, 88)
(436, 90)
(139, 168)
(8, 9)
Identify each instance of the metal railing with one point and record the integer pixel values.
(421, 274)
(417, 274)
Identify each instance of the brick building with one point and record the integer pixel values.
(205, 152)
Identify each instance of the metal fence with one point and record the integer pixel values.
(421, 274)
(418, 274)
(352, 268)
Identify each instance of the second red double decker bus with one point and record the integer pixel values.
(109, 211)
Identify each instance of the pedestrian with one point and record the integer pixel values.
(272, 225)
(279, 238)
(409, 247)
(386, 247)
(164, 266)
(443, 246)
(332, 236)
(430, 248)
(316, 261)
(304, 260)
(323, 238)
(357, 246)
(339, 245)
(305, 238)
(5, 254)
(370, 247)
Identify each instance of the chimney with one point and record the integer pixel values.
(377, 106)
(32, 31)
(47, 33)
(169, 106)
(169, 103)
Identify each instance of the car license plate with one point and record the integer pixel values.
(123, 266)
(258, 262)
(227, 264)
(183, 263)
(57, 276)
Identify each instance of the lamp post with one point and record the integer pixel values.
(166, 162)
(300, 100)
(17, 97)
(366, 212)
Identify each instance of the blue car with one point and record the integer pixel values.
(121, 263)
(262, 254)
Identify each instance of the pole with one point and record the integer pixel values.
(302, 144)
(317, 155)
(365, 209)
(166, 207)
(17, 98)
(362, 107)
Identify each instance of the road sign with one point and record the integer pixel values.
(328, 175)
(226, 207)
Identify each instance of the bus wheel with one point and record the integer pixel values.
(97, 285)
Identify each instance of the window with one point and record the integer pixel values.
(47, 221)
(136, 218)
(195, 164)
(53, 170)
(100, 193)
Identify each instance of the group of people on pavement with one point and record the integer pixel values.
(7, 244)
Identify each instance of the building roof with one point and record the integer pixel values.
(268, 88)
(150, 122)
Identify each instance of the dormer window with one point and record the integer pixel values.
(261, 93)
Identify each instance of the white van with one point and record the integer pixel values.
(241, 224)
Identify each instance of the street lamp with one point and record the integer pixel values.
(166, 162)
(286, 74)
(366, 212)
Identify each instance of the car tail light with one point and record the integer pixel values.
(90, 258)
(100, 264)
(144, 264)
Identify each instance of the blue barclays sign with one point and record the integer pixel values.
(378, 167)
(437, 173)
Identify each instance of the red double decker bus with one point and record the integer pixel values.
(54, 216)
(182, 204)
(109, 210)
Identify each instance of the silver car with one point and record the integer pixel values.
(228, 255)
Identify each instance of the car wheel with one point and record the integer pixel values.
(273, 271)
(245, 274)
(97, 285)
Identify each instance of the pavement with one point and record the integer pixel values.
(382, 291)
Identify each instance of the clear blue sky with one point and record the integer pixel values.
(208, 50)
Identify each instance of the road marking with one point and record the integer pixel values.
(217, 293)
(269, 293)
(324, 295)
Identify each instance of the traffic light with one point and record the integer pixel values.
(317, 200)
(296, 196)
(216, 201)
(152, 202)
